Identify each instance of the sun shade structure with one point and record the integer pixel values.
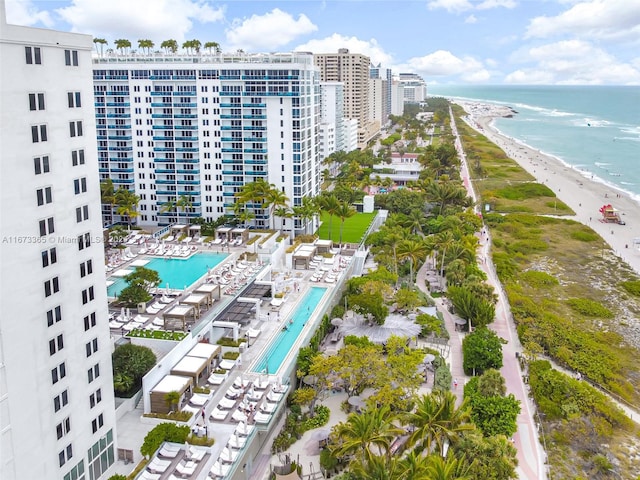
(213, 291)
(303, 255)
(193, 367)
(244, 312)
(179, 313)
(170, 383)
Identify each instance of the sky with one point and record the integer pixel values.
(547, 42)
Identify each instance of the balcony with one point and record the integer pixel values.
(101, 137)
(254, 117)
(163, 149)
(160, 94)
(184, 149)
(120, 127)
(118, 104)
(225, 117)
(118, 115)
(165, 192)
(121, 149)
(229, 127)
(161, 115)
(231, 160)
(164, 160)
(232, 172)
(161, 104)
(188, 182)
(187, 160)
(187, 139)
(163, 138)
(195, 171)
(119, 137)
(252, 139)
(229, 105)
(255, 173)
(185, 105)
(233, 184)
(164, 170)
(165, 182)
(252, 128)
(231, 150)
(163, 127)
(254, 105)
(121, 159)
(186, 115)
(254, 150)
(192, 93)
(256, 162)
(193, 193)
(126, 181)
(122, 170)
(186, 127)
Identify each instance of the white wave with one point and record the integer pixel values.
(600, 164)
(627, 183)
(630, 139)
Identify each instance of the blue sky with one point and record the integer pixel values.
(445, 41)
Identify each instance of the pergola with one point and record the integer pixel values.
(207, 351)
(223, 233)
(179, 312)
(240, 232)
(170, 383)
(323, 246)
(197, 301)
(209, 289)
(303, 254)
(190, 367)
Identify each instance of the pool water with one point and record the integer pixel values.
(272, 359)
(175, 273)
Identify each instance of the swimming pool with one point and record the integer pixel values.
(272, 359)
(174, 272)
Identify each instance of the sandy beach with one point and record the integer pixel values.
(574, 187)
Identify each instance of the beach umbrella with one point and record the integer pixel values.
(336, 322)
(122, 313)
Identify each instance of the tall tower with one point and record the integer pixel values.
(57, 416)
(352, 69)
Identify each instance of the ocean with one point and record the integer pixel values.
(595, 129)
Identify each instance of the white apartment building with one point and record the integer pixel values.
(201, 126)
(386, 76)
(415, 88)
(57, 417)
(332, 128)
(397, 98)
(377, 101)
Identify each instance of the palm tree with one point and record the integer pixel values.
(344, 211)
(196, 44)
(414, 251)
(169, 46)
(437, 422)
(168, 207)
(122, 44)
(379, 468)
(393, 240)
(273, 199)
(146, 45)
(171, 399)
(282, 213)
(108, 196)
(192, 46)
(447, 468)
(329, 204)
(367, 434)
(127, 204)
(101, 42)
(215, 46)
(185, 203)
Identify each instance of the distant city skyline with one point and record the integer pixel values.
(445, 41)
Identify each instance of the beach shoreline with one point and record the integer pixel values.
(573, 186)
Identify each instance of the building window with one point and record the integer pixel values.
(71, 57)
(63, 428)
(49, 257)
(51, 286)
(91, 347)
(95, 398)
(33, 55)
(41, 165)
(101, 456)
(38, 133)
(54, 316)
(93, 373)
(56, 344)
(73, 99)
(87, 295)
(97, 423)
(84, 241)
(36, 101)
(77, 157)
(60, 400)
(58, 373)
(65, 455)
(82, 213)
(76, 473)
(80, 185)
(89, 321)
(86, 268)
(43, 196)
(47, 226)
(75, 128)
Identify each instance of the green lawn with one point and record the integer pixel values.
(353, 230)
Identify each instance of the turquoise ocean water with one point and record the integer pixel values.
(595, 129)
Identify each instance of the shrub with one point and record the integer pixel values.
(583, 236)
(589, 308)
(320, 418)
(231, 355)
(132, 361)
(230, 342)
(117, 476)
(442, 376)
(524, 191)
(429, 324)
(178, 416)
(632, 287)
(481, 351)
(164, 432)
(327, 460)
(538, 279)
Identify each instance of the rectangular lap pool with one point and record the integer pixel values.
(277, 351)
(176, 273)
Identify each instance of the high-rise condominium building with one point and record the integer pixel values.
(193, 129)
(415, 88)
(386, 77)
(352, 69)
(57, 414)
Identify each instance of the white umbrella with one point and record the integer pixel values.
(128, 313)
(122, 313)
(229, 455)
(166, 288)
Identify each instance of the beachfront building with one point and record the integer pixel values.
(332, 121)
(397, 98)
(415, 88)
(198, 127)
(382, 105)
(352, 69)
(57, 417)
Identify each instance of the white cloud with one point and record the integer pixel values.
(268, 32)
(458, 6)
(443, 63)
(594, 19)
(134, 19)
(23, 12)
(471, 19)
(573, 62)
(331, 44)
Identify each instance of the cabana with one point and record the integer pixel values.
(194, 367)
(213, 291)
(303, 256)
(197, 301)
(238, 233)
(194, 230)
(223, 233)
(324, 246)
(177, 230)
(179, 312)
(170, 383)
(207, 351)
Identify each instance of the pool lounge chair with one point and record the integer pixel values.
(158, 466)
(241, 382)
(237, 443)
(169, 450)
(227, 364)
(198, 400)
(228, 455)
(274, 397)
(262, 417)
(268, 407)
(146, 475)
(186, 469)
(261, 384)
(244, 430)
(219, 470)
(217, 378)
(196, 454)
(239, 416)
(218, 415)
(226, 403)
